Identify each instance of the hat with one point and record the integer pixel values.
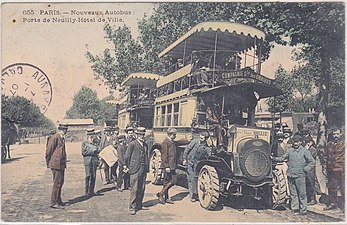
(90, 131)
(97, 132)
(52, 131)
(121, 137)
(114, 128)
(297, 138)
(308, 139)
(205, 134)
(171, 130)
(279, 134)
(62, 127)
(107, 128)
(129, 128)
(140, 130)
(203, 68)
(287, 130)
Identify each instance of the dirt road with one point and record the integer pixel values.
(26, 187)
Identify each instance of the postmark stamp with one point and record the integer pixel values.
(27, 80)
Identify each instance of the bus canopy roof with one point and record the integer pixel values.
(230, 36)
(143, 79)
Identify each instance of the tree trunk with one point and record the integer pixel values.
(322, 107)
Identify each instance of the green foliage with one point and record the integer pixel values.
(19, 110)
(318, 26)
(285, 83)
(128, 57)
(86, 105)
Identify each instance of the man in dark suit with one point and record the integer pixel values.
(335, 166)
(56, 160)
(123, 174)
(90, 150)
(168, 164)
(136, 159)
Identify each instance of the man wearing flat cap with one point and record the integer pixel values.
(136, 160)
(90, 150)
(168, 164)
(195, 151)
(300, 162)
(129, 130)
(56, 161)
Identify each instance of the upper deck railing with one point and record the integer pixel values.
(216, 60)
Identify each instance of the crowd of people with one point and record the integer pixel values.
(296, 154)
(299, 160)
(132, 162)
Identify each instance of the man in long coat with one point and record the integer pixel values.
(56, 161)
(137, 161)
(168, 164)
(335, 169)
(90, 150)
(122, 172)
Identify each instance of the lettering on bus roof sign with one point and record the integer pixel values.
(245, 75)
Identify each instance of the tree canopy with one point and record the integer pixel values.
(317, 26)
(23, 112)
(86, 105)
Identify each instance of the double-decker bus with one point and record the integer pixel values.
(213, 83)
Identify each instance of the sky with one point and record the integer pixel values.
(58, 46)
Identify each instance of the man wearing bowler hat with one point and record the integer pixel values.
(90, 150)
(56, 161)
(168, 164)
(300, 162)
(136, 160)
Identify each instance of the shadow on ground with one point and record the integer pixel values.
(7, 161)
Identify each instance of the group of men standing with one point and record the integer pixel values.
(297, 151)
(300, 155)
(132, 153)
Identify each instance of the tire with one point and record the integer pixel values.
(279, 190)
(3, 152)
(154, 174)
(208, 187)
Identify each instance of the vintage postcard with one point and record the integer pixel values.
(207, 112)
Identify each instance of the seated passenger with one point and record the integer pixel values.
(202, 77)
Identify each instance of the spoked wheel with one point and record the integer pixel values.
(208, 187)
(155, 174)
(279, 190)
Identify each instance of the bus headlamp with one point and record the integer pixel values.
(232, 131)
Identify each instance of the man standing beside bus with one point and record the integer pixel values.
(168, 164)
(136, 159)
(195, 151)
(300, 162)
